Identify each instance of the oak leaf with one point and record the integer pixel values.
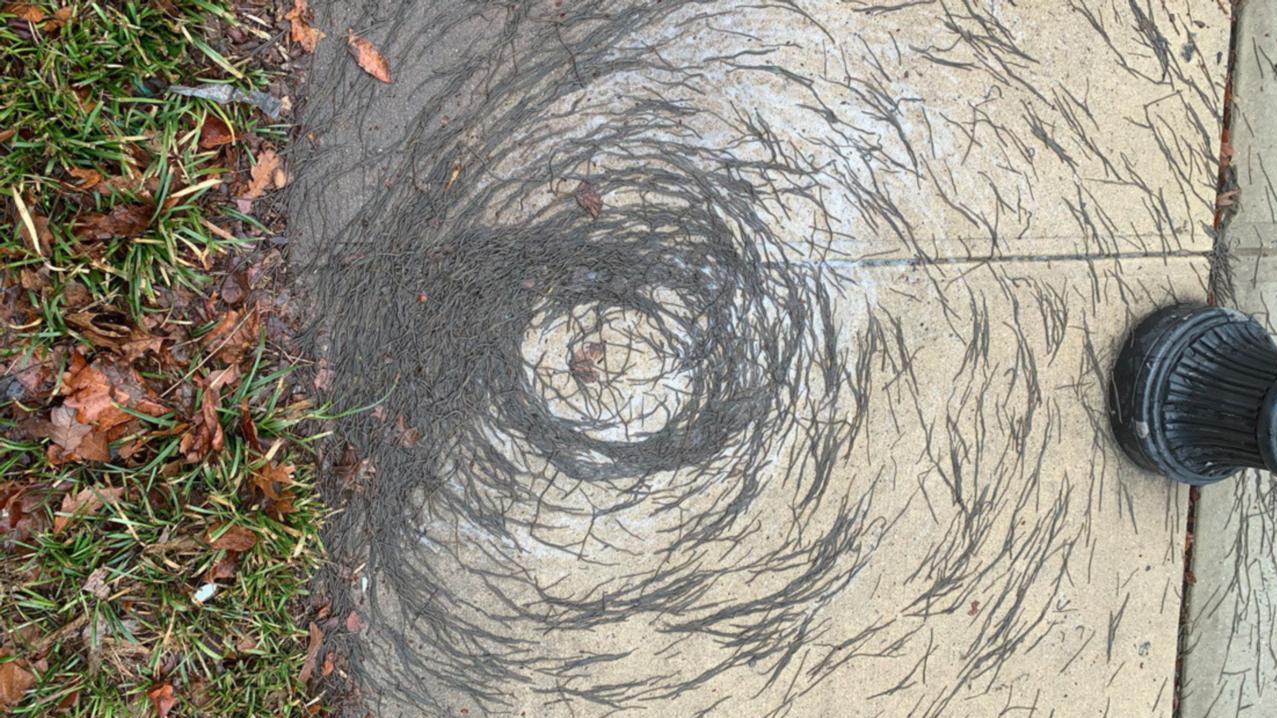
(267, 173)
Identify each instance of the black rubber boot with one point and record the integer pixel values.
(1192, 395)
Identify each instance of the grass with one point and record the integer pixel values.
(89, 96)
(105, 617)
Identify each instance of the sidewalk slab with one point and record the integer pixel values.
(871, 262)
(1230, 662)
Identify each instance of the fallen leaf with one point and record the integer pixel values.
(353, 623)
(408, 435)
(43, 240)
(95, 584)
(368, 56)
(84, 503)
(205, 435)
(69, 435)
(215, 133)
(23, 512)
(99, 391)
(272, 478)
(223, 377)
(328, 665)
(589, 199)
(126, 220)
(60, 17)
(24, 11)
(72, 700)
(139, 344)
(300, 30)
(246, 426)
(162, 698)
(582, 364)
(85, 179)
(5, 135)
(262, 174)
(281, 506)
(223, 568)
(233, 334)
(323, 376)
(15, 680)
(312, 652)
(235, 538)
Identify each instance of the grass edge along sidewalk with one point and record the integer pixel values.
(158, 521)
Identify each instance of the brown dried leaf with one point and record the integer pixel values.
(235, 538)
(234, 333)
(205, 434)
(139, 344)
(589, 199)
(223, 568)
(24, 11)
(280, 506)
(95, 584)
(353, 623)
(408, 435)
(262, 174)
(368, 56)
(300, 30)
(84, 503)
(215, 133)
(85, 179)
(583, 359)
(22, 512)
(126, 220)
(72, 440)
(272, 478)
(323, 376)
(246, 426)
(312, 652)
(15, 680)
(60, 17)
(162, 698)
(223, 378)
(43, 240)
(348, 463)
(97, 391)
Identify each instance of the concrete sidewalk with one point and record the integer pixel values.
(924, 227)
(1230, 666)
